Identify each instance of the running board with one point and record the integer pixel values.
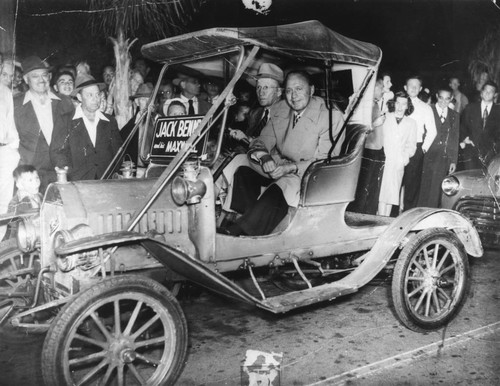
(296, 299)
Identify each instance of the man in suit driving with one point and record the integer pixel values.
(296, 135)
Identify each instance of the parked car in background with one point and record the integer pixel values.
(476, 194)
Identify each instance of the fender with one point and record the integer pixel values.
(172, 258)
(99, 241)
(395, 236)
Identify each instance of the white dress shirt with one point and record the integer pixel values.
(91, 126)
(423, 115)
(43, 112)
(8, 132)
(442, 112)
(186, 103)
(487, 106)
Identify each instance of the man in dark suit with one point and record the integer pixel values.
(38, 114)
(190, 91)
(480, 129)
(139, 146)
(87, 145)
(441, 158)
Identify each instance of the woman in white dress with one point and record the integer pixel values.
(400, 143)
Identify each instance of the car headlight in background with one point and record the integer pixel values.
(450, 185)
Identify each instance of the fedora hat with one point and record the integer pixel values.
(145, 90)
(34, 63)
(85, 80)
(181, 77)
(272, 71)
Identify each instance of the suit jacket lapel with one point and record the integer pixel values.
(100, 133)
(83, 134)
(30, 116)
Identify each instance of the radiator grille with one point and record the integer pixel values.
(165, 222)
(484, 212)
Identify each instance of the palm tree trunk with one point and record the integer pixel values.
(121, 47)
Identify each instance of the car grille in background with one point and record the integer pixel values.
(169, 221)
(484, 212)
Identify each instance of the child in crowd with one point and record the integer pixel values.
(175, 108)
(27, 197)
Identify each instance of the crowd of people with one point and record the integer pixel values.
(64, 118)
(419, 137)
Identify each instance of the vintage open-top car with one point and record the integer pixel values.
(84, 269)
(476, 194)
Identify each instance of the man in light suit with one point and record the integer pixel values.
(87, 145)
(38, 114)
(296, 135)
(441, 158)
(480, 129)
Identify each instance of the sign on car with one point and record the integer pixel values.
(171, 135)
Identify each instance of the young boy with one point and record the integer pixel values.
(27, 197)
(176, 108)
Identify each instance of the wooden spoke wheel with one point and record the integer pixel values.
(431, 279)
(126, 330)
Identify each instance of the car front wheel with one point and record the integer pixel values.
(126, 330)
(431, 280)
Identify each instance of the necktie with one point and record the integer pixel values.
(191, 107)
(296, 118)
(262, 123)
(485, 116)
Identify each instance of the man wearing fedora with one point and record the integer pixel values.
(269, 90)
(296, 135)
(138, 147)
(190, 90)
(268, 86)
(88, 144)
(38, 113)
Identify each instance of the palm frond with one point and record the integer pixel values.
(158, 17)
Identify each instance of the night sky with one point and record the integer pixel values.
(434, 38)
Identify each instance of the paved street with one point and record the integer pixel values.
(354, 340)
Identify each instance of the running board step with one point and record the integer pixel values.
(296, 299)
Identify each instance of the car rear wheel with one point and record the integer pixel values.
(126, 330)
(431, 280)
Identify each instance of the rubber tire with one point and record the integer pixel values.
(55, 341)
(401, 307)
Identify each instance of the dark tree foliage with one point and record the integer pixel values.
(486, 57)
(159, 18)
